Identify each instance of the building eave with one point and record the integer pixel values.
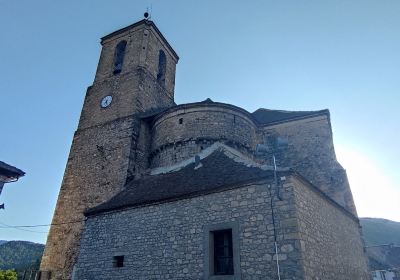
(9, 172)
(136, 24)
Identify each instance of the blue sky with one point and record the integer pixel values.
(290, 55)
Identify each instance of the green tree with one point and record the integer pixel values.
(8, 275)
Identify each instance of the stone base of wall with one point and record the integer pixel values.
(167, 240)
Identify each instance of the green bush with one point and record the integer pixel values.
(8, 275)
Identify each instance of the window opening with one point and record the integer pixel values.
(223, 252)
(119, 57)
(162, 66)
(180, 121)
(118, 261)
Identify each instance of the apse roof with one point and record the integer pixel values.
(216, 169)
(216, 172)
(261, 116)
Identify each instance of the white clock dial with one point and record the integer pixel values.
(106, 101)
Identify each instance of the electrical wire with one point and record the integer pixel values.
(273, 215)
(11, 227)
(47, 225)
(23, 227)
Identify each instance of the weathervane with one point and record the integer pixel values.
(147, 15)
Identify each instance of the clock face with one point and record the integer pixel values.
(106, 101)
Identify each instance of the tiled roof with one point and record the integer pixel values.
(266, 116)
(261, 116)
(217, 172)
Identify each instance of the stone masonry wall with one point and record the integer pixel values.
(152, 57)
(104, 152)
(167, 241)
(333, 246)
(184, 132)
(96, 170)
(140, 152)
(134, 39)
(311, 152)
(142, 49)
(132, 92)
(102, 157)
(123, 89)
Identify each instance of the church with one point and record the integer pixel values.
(204, 190)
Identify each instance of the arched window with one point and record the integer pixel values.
(162, 66)
(119, 56)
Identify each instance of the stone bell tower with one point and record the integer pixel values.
(135, 74)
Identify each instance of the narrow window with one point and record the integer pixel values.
(119, 57)
(180, 121)
(118, 261)
(44, 275)
(162, 66)
(223, 252)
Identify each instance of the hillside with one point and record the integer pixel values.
(380, 231)
(19, 254)
(383, 257)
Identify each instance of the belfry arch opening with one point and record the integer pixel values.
(119, 57)
(162, 66)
